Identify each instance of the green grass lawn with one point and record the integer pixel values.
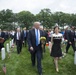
(21, 64)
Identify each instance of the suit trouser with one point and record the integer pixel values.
(68, 45)
(25, 40)
(1, 45)
(19, 46)
(37, 54)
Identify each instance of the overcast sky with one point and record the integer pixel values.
(34, 6)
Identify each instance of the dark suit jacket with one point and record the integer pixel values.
(66, 34)
(32, 39)
(75, 35)
(71, 36)
(21, 37)
(23, 34)
(3, 35)
(45, 35)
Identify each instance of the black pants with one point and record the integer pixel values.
(43, 51)
(49, 39)
(19, 46)
(37, 54)
(25, 40)
(68, 45)
(1, 45)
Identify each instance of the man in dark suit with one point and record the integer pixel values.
(75, 38)
(46, 36)
(24, 32)
(18, 38)
(2, 35)
(66, 31)
(6, 35)
(35, 46)
(70, 38)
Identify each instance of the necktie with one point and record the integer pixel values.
(36, 37)
(24, 33)
(18, 35)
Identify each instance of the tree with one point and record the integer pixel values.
(26, 18)
(6, 18)
(44, 17)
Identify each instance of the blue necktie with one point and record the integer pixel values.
(36, 37)
(24, 33)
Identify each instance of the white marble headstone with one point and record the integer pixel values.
(10, 44)
(7, 47)
(75, 58)
(12, 41)
(3, 53)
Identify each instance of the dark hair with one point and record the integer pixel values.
(72, 26)
(56, 27)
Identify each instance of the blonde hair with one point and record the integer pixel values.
(37, 23)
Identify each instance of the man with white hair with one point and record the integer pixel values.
(45, 35)
(71, 42)
(35, 45)
(66, 32)
(18, 38)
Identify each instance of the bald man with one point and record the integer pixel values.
(35, 45)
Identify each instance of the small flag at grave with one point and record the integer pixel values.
(4, 68)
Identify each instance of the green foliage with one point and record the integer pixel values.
(45, 17)
(26, 19)
(6, 18)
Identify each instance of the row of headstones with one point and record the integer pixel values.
(8, 46)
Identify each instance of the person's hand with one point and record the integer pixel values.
(3, 38)
(70, 43)
(66, 40)
(31, 48)
(23, 41)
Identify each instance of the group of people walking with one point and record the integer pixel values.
(32, 37)
(56, 40)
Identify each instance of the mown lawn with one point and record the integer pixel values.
(21, 64)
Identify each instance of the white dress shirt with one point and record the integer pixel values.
(18, 35)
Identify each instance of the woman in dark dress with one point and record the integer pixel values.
(56, 47)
